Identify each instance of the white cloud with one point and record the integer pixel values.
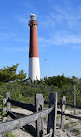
(60, 40)
(58, 15)
(64, 27)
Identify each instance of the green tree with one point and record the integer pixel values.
(9, 74)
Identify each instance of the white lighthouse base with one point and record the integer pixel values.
(34, 68)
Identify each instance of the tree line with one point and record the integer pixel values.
(23, 90)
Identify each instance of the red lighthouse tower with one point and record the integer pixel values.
(34, 68)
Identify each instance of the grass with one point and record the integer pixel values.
(8, 134)
(58, 116)
(71, 124)
(79, 112)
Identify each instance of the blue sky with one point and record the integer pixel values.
(59, 35)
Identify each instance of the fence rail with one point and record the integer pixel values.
(29, 107)
(60, 103)
(37, 116)
(69, 115)
(10, 125)
(62, 112)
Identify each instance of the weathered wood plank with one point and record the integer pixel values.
(28, 128)
(8, 105)
(50, 115)
(74, 100)
(69, 115)
(39, 103)
(29, 107)
(8, 95)
(63, 111)
(72, 106)
(53, 114)
(4, 109)
(8, 126)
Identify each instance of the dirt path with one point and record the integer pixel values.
(59, 132)
(72, 126)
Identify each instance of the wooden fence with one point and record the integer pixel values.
(62, 111)
(38, 114)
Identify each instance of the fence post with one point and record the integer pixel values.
(8, 105)
(63, 111)
(39, 104)
(53, 115)
(4, 109)
(74, 100)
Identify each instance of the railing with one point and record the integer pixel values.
(62, 112)
(37, 116)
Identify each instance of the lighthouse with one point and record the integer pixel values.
(34, 67)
